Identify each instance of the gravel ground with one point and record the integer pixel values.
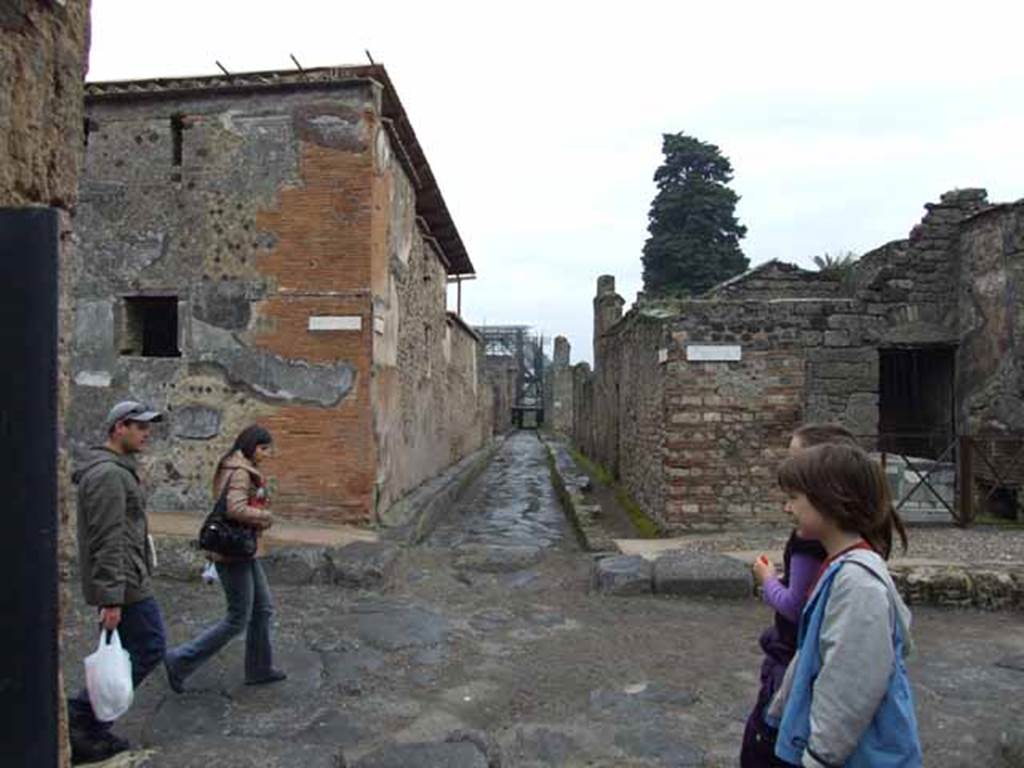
(981, 544)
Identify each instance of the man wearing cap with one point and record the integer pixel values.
(116, 562)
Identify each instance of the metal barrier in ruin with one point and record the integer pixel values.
(972, 475)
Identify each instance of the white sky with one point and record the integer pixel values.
(542, 121)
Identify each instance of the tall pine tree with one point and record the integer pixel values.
(694, 241)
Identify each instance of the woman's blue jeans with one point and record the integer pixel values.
(249, 609)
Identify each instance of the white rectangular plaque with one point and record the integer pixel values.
(335, 323)
(663, 355)
(713, 353)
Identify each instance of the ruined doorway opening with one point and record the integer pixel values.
(916, 403)
(150, 327)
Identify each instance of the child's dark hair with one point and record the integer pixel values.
(817, 434)
(248, 440)
(846, 486)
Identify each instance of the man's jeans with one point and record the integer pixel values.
(143, 636)
(249, 609)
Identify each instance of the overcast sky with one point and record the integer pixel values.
(542, 121)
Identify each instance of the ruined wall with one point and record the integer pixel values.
(990, 360)
(955, 282)
(429, 408)
(255, 212)
(776, 279)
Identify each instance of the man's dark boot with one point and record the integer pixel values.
(89, 746)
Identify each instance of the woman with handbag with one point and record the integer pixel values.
(231, 536)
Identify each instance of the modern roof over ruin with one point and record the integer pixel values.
(430, 205)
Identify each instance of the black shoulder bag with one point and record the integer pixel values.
(224, 536)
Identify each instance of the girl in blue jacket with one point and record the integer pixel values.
(846, 699)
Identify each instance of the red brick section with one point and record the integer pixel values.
(325, 464)
(727, 429)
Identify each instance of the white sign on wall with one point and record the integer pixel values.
(713, 353)
(335, 323)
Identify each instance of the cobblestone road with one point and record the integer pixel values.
(489, 650)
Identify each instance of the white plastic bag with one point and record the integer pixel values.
(210, 574)
(108, 678)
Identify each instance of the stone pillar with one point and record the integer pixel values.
(607, 312)
(43, 58)
(562, 351)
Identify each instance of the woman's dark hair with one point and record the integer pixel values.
(810, 435)
(248, 440)
(846, 486)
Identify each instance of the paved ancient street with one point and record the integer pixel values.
(489, 650)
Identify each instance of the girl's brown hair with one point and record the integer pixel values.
(846, 486)
(817, 434)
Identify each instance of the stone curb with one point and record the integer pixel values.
(359, 565)
(570, 482)
(960, 586)
(674, 574)
(414, 517)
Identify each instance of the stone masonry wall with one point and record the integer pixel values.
(220, 202)
(990, 360)
(43, 59)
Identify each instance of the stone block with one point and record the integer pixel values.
(701, 575)
(425, 755)
(494, 559)
(196, 422)
(363, 564)
(297, 566)
(622, 575)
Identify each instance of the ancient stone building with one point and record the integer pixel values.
(692, 402)
(273, 247)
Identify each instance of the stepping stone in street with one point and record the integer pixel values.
(496, 559)
(459, 755)
(656, 741)
(394, 627)
(702, 575)
(622, 575)
(1015, 662)
(364, 564)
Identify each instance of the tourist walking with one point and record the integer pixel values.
(116, 562)
(787, 595)
(238, 478)
(846, 698)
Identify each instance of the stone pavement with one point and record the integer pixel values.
(487, 648)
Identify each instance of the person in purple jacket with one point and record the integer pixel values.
(787, 594)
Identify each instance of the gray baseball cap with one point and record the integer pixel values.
(130, 410)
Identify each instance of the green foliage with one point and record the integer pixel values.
(836, 266)
(645, 527)
(694, 233)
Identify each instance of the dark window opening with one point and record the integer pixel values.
(151, 327)
(177, 136)
(916, 403)
(88, 126)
